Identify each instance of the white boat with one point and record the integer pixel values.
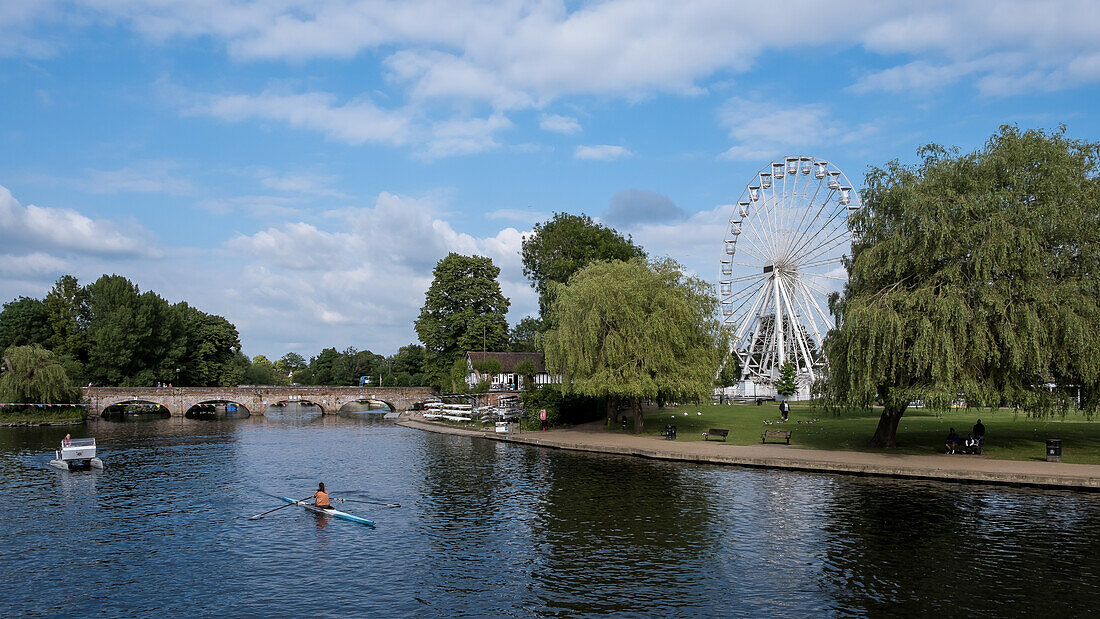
(79, 453)
(335, 513)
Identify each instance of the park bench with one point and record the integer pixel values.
(777, 435)
(715, 432)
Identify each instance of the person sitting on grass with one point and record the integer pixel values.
(971, 444)
(952, 441)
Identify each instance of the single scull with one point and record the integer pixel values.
(335, 513)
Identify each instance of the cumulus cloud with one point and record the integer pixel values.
(601, 152)
(63, 230)
(629, 207)
(363, 271)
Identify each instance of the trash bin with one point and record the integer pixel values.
(670, 433)
(1054, 450)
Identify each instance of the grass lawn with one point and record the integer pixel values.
(1009, 436)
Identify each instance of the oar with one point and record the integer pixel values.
(371, 502)
(257, 516)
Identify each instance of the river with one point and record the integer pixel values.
(488, 528)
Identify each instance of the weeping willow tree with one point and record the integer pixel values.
(976, 276)
(634, 331)
(32, 374)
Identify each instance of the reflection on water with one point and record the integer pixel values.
(488, 528)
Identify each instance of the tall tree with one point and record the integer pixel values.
(634, 331)
(525, 335)
(558, 248)
(977, 275)
(23, 322)
(464, 309)
(32, 375)
(66, 307)
(211, 348)
(407, 366)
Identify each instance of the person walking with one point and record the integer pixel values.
(542, 418)
(784, 409)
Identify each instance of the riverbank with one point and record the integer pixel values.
(940, 467)
(53, 416)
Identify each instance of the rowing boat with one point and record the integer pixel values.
(335, 513)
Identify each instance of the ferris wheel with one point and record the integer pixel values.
(783, 255)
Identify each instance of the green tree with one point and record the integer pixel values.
(632, 331)
(33, 375)
(787, 383)
(464, 309)
(133, 338)
(66, 307)
(524, 337)
(23, 323)
(212, 346)
(407, 366)
(558, 248)
(290, 363)
(527, 369)
(976, 275)
(263, 372)
(322, 368)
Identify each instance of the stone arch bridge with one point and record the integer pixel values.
(178, 400)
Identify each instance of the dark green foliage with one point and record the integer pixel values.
(558, 248)
(35, 377)
(261, 371)
(111, 334)
(463, 310)
(524, 337)
(527, 369)
(561, 408)
(23, 323)
(787, 383)
(635, 331)
(978, 276)
(407, 367)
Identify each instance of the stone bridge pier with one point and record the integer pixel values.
(256, 399)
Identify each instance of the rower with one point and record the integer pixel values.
(320, 498)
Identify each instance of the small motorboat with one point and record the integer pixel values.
(77, 454)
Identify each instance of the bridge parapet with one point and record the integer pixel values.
(178, 400)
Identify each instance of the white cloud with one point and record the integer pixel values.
(566, 125)
(362, 277)
(765, 130)
(464, 136)
(601, 152)
(355, 122)
(62, 230)
(631, 207)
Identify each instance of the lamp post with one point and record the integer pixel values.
(177, 377)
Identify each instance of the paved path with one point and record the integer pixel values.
(957, 467)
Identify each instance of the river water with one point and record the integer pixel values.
(487, 528)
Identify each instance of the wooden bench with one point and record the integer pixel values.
(715, 432)
(778, 435)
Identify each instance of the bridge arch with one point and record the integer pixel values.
(217, 408)
(135, 409)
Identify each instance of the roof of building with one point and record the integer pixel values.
(509, 360)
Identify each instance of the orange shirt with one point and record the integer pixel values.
(321, 499)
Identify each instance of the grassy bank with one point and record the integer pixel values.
(922, 431)
(30, 416)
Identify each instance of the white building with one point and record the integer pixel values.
(507, 379)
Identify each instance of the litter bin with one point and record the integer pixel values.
(1054, 450)
(670, 433)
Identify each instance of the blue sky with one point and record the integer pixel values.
(300, 166)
